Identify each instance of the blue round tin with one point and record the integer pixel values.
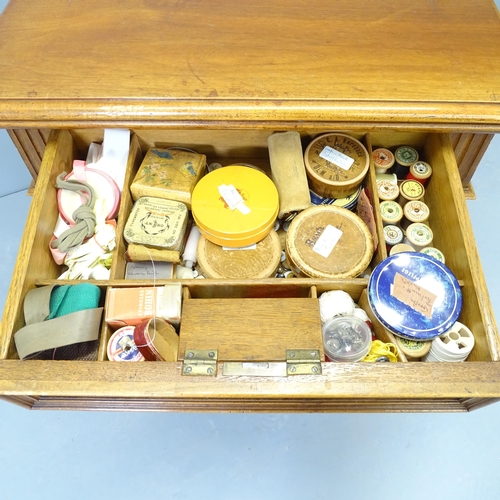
(414, 296)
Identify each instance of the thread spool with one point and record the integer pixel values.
(386, 177)
(404, 156)
(419, 236)
(415, 211)
(387, 190)
(410, 191)
(336, 164)
(383, 160)
(420, 171)
(391, 212)
(393, 235)
(156, 340)
(455, 345)
(400, 248)
(434, 252)
(121, 346)
(413, 349)
(189, 255)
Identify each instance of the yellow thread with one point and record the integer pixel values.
(379, 348)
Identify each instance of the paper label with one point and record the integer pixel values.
(340, 159)
(327, 241)
(249, 247)
(232, 198)
(413, 295)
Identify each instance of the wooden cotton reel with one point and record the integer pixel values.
(336, 165)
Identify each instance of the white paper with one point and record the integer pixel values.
(115, 149)
(327, 241)
(233, 198)
(340, 159)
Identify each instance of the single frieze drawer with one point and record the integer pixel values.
(256, 321)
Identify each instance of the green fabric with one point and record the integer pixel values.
(68, 299)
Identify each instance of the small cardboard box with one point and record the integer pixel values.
(131, 306)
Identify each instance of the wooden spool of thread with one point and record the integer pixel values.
(410, 190)
(419, 236)
(420, 171)
(391, 212)
(415, 211)
(434, 252)
(404, 156)
(387, 190)
(383, 160)
(401, 247)
(393, 235)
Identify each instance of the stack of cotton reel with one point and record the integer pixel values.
(235, 209)
(454, 346)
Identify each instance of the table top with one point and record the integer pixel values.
(397, 63)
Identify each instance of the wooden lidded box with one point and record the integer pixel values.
(221, 88)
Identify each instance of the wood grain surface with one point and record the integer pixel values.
(379, 64)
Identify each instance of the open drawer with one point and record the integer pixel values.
(101, 384)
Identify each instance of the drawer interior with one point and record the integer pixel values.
(449, 221)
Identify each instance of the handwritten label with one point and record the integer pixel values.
(327, 241)
(413, 295)
(340, 159)
(233, 199)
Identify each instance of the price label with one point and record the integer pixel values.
(340, 159)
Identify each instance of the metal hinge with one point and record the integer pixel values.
(303, 362)
(200, 362)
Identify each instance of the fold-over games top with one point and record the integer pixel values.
(431, 64)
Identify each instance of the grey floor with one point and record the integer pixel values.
(61, 455)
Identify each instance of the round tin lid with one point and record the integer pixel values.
(329, 242)
(414, 296)
(383, 158)
(121, 346)
(406, 155)
(236, 205)
(336, 160)
(255, 262)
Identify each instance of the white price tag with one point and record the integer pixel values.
(327, 241)
(233, 198)
(340, 159)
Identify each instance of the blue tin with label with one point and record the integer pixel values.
(414, 296)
